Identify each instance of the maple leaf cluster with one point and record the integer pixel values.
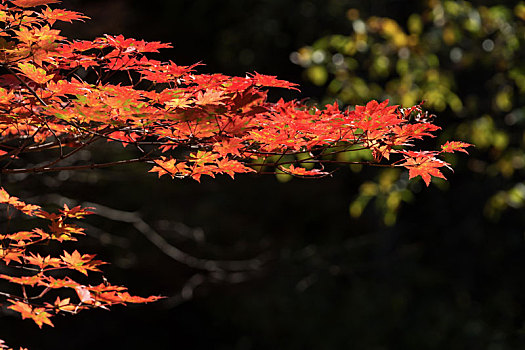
(61, 95)
(68, 94)
(39, 276)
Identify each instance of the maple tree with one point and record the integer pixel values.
(59, 96)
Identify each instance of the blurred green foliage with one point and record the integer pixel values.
(466, 62)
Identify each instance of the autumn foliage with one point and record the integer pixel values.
(60, 96)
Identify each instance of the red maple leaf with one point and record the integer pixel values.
(424, 167)
(272, 81)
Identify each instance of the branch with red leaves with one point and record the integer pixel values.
(183, 123)
(42, 277)
(59, 96)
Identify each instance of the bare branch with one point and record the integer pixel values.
(134, 218)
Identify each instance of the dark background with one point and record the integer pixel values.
(444, 276)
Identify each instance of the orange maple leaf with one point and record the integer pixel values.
(38, 75)
(81, 263)
(453, 146)
(76, 212)
(229, 146)
(62, 305)
(53, 15)
(24, 280)
(209, 97)
(169, 166)
(51, 282)
(302, 171)
(39, 315)
(10, 254)
(21, 236)
(42, 262)
(231, 167)
(201, 169)
(424, 167)
(24, 309)
(202, 157)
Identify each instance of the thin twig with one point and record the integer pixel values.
(45, 169)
